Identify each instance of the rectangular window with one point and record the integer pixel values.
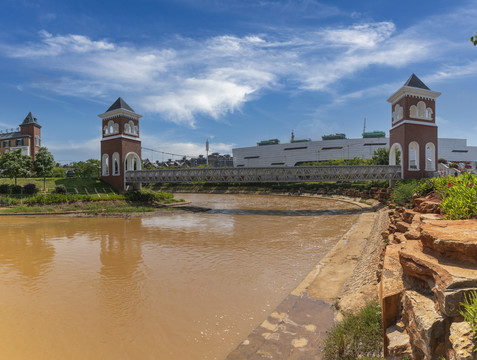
(297, 148)
(251, 157)
(37, 140)
(277, 164)
(19, 142)
(6, 143)
(374, 144)
(460, 151)
(332, 148)
(241, 165)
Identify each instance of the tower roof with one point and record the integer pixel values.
(120, 104)
(415, 82)
(30, 120)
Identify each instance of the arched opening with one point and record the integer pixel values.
(116, 163)
(413, 111)
(430, 157)
(429, 113)
(132, 162)
(413, 156)
(106, 132)
(105, 165)
(110, 127)
(396, 152)
(127, 128)
(421, 109)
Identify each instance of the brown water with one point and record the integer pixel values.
(168, 286)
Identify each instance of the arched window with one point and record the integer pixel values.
(106, 132)
(430, 157)
(127, 129)
(116, 163)
(105, 165)
(111, 127)
(429, 113)
(116, 128)
(393, 154)
(398, 113)
(421, 109)
(132, 162)
(413, 111)
(413, 156)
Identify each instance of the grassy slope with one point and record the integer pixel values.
(70, 183)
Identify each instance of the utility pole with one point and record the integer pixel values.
(207, 151)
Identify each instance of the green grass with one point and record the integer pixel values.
(70, 183)
(357, 336)
(403, 191)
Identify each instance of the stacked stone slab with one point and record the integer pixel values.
(428, 267)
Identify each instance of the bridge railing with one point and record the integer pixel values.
(267, 174)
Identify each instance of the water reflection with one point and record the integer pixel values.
(171, 286)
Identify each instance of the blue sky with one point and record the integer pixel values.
(235, 71)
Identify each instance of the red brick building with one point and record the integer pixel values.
(414, 129)
(27, 137)
(120, 143)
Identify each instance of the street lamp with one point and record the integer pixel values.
(207, 151)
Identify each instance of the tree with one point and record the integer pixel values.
(88, 168)
(473, 39)
(44, 164)
(14, 164)
(381, 157)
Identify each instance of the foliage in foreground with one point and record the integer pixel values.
(469, 312)
(357, 336)
(458, 194)
(403, 191)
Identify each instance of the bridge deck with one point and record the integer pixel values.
(267, 174)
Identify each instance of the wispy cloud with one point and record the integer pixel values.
(187, 78)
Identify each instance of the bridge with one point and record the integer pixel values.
(266, 174)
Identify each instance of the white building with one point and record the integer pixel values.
(295, 153)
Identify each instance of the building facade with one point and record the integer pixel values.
(27, 137)
(120, 143)
(414, 129)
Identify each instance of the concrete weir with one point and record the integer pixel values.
(296, 329)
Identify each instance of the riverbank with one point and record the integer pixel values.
(344, 280)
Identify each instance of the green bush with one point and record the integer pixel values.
(30, 189)
(149, 196)
(16, 189)
(469, 312)
(403, 191)
(5, 189)
(60, 189)
(358, 335)
(7, 201)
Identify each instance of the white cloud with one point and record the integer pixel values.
(218, 75)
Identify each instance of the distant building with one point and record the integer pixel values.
(27, 137)
(413, 133)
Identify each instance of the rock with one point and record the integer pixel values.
(390, 287)
(402, 226)
(446, 278)
(456, 239)
(461, 339)
(412, 235)
(408, 215)
(398, 341)
(423, 324)
(399, 238)
(430, 217)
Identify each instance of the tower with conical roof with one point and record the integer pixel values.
(414, 130)
(120, 143)
(32, 129)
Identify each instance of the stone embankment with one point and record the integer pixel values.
(428, 267)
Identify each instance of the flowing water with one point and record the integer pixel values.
(176, 285)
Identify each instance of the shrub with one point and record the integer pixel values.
(61, 189)
(149, 196)
(356, 336)
(4, 189)
(403, 191)
(469, 312)
(7, 200)
(16, 189)
(30, 189)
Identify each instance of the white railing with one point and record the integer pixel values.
(267, 174)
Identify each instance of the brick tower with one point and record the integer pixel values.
(120, 143)
(32, 129)
(414, 130)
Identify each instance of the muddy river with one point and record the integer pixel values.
(177, 285)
